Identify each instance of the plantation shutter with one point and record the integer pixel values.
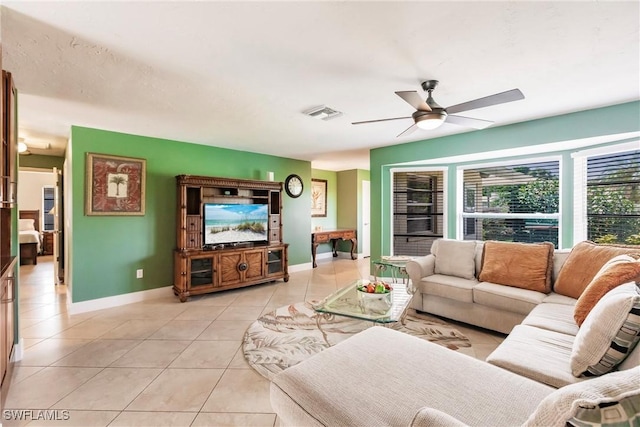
(613, 198)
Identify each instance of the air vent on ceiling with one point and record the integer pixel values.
(322, 112)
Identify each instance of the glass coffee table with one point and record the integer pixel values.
(350, 302)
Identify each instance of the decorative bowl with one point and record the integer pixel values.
(377, 303)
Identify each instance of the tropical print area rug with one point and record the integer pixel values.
(292, 333)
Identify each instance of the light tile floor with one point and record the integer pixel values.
(158, 362)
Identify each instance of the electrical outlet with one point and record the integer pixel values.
(139, 273)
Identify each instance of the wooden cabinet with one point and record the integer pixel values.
(8, 179)
(202, 268)
(7, 291)
(8, 169)
(47, 243)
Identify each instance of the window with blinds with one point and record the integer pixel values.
(47, 205)
(513, 203)
(417, 211)
(613, 198)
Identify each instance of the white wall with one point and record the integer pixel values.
(30, 186)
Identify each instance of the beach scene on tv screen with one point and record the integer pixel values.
(225, 223)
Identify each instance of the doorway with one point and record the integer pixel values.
(366, 219)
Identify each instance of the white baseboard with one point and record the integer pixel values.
(118, 300)
(300, 267)
(18, 351)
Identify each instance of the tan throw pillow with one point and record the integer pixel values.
(522, 265)
(456, 258)
(617, 271)
(582, 264)
(609, 333)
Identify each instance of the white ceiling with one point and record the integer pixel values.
(239, 74)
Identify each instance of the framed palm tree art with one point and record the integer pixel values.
(114, 185)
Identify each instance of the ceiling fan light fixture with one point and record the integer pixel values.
(431, 120)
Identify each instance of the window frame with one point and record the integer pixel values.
(580, 160)
(461, 215)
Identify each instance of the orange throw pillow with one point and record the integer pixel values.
(521, 265)
(583, 263)
(618, 271)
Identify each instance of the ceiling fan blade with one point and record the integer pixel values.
(408, 130)
(412, 98)
(468, 122)
(380, 120)
(498, 98)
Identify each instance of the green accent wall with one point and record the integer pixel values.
(605, 121)
(107, 250)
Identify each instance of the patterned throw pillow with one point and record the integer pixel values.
(614, 395)
(617, 271)
(622, 413)
(609, 333)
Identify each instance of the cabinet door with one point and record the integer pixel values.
(231, 268)
(201, 271)
(10, 282)
(255, 264)
(275, 261)
(6, 316)
(3, 331)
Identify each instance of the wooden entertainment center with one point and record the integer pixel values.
(203, 268)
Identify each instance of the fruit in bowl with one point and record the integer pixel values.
(375, 297)
(378, 287)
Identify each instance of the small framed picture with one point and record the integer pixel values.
(114, 185)
(318, 197)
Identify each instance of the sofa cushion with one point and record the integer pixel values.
(584, 262)
(451, 287)
(428, 417)
(455, 258)
(609, 333)
(506, 297)
(553, 317)
(584, 403)
(618, 270)
(523, 265)
(535, 353)
(559, 299)
(384, 377)
(559, 258)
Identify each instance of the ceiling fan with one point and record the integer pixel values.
(430, 115)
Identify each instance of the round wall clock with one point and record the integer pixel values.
(293, 185)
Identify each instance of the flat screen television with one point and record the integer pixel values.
(231, 223)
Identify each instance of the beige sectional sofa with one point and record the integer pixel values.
(452, 289)
(548, 371)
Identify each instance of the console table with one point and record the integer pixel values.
(332, 236)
